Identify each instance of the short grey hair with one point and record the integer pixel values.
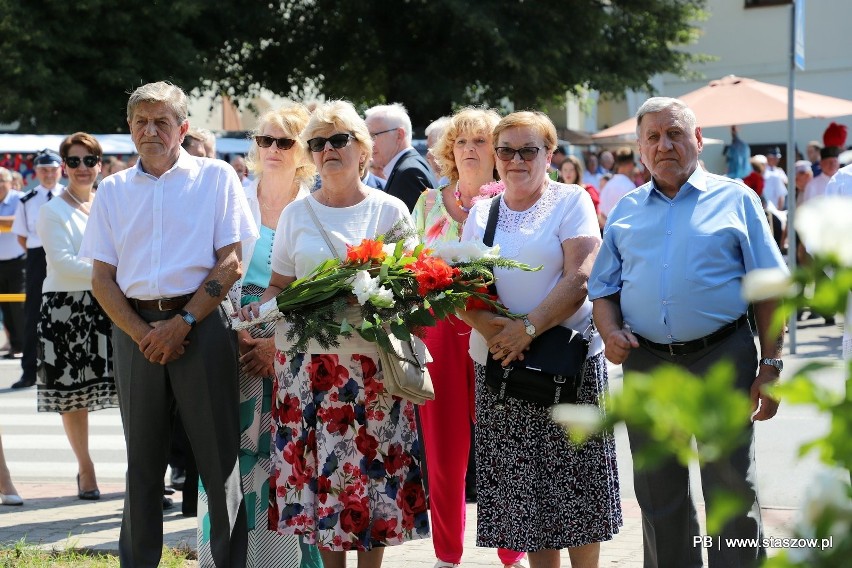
(160, 92)
(437, 126)
(5, 175)
(395, 114)
(659, 104)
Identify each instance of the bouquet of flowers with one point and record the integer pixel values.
(394, 290)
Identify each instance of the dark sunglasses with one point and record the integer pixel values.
(282, 143)
(90, 161)
(527, 153)
(338, 141)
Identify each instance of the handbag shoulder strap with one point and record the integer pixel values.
(491, 226)
(327, 240)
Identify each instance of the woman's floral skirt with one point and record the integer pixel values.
(346, 456)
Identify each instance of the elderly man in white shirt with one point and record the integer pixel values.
(165, 240)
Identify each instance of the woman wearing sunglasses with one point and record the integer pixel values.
(538, 492)
(75, 346)
(465, 155)
(282, 174)
(356, 487)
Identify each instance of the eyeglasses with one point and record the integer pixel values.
(375, 135)
(338, 141)
(527, 153)
(90, 161)
(282, 143)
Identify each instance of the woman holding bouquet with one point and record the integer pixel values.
(465, 155)
(282, 174)
(346, 453)
(538, 492)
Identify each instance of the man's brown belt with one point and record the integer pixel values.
(161, 305)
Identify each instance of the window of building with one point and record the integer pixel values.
(763, 3)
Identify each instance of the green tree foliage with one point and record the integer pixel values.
(67, 66)
(70, 65)
(434, 54)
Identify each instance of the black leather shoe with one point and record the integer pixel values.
(91, 495)
(167, 503)
(24, 383)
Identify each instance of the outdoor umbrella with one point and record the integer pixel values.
(737, 100)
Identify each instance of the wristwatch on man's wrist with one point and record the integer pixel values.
(529, 327)
(777, 363)
(188, 318)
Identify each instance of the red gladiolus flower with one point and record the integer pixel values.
(368, 251)
(433, 273)
(476, 303)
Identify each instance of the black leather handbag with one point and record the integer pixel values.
(551, 372)
(553, 367)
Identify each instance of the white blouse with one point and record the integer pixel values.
(60, 228)
(535, 237)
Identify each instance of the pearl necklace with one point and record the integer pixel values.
(70, 194)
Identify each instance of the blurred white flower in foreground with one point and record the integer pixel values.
(827, 498)
(825, 227)
(765, 283)
(580, 420)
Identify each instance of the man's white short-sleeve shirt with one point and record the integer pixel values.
(162, 233)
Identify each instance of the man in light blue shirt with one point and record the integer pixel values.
(666, 287)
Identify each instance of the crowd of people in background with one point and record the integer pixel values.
(135, 271)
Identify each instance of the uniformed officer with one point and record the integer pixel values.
(47, 170)
(11, 264)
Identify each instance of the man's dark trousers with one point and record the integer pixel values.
(669, 518)
(202, 385)
(13, 281)
(36, 266)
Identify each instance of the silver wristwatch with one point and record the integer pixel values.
(777, 363)
(529, 327)
(188, 318)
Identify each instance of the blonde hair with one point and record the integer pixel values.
(292, 119)
(468, 120)
(537, 121)
(340, 115)
(160, 92)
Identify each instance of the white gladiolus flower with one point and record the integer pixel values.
(389, 248)
(825, 226)
(382, 298)
(467, 251)
(765, 283)
(363, 286)
(578, 419)
(368, 289)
